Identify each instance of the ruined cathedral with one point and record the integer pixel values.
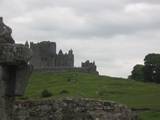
(45, 56)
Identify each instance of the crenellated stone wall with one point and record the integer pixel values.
(71, 109)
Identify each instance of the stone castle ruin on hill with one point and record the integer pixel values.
(46, 58)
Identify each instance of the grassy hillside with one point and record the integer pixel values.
(72, 84)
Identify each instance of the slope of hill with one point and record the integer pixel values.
(136, 95)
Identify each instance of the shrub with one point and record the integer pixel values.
(69, 79)
(102, 92)
(63, 92)
(46, 93)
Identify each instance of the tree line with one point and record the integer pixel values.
(150, 71)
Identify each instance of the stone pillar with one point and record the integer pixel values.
(2, 98)
(14, 71)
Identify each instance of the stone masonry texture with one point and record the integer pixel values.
(71, 109)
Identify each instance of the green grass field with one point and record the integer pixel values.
(74, 84)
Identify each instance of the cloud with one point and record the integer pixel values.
(116, 34)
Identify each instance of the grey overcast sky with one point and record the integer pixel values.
(117, 34)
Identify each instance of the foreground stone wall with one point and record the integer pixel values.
(70, 109)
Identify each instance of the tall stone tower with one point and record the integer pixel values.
(45, 56)
(71, 58)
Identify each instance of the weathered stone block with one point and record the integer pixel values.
(14, 54)
(22, 76)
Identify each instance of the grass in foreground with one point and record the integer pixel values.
(74, 84)
(150, 115)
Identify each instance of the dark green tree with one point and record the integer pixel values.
(156, 74)
(152, 59)
(148, 70)
(137, 72)
(152, 68)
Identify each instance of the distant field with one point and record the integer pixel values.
(74, 84)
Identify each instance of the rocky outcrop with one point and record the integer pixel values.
(71, 109)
